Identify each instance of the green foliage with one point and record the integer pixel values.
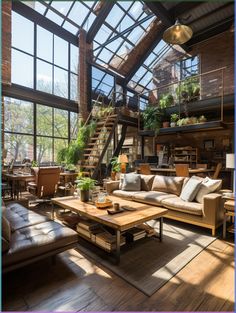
(34, 164)
(189, 89)
(166, 100)
(70, 167)
(174, 117)
(74, 152)
(115, 165)
(86, 183)
(152, 118)
(61, 155)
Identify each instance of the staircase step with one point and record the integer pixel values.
(92, 155)
(92, 149)
(88, 166)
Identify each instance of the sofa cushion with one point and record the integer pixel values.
(208, 185)
(182, 206)
(131, 182)
(146, 182)
(126, 194)
(152, 197)
(38, 239)
(168, 184)
(6, 229)
(19, 217)
(190, 189)
(5, 245)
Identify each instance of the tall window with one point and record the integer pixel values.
(43, 142)
(55, 60)
(102, 83)
(187, 67)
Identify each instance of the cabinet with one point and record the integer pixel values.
(186, 154)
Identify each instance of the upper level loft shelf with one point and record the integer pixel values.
(214, 125)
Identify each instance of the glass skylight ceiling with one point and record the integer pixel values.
(142, 80)
(71, 15)
(125, 25)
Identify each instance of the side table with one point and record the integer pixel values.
(229, 210)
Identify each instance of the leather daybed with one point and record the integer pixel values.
(28, 237)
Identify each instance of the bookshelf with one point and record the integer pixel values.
(186, 154)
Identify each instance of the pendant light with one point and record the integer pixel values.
(177, 34)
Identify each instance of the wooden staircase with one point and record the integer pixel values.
(97, 145)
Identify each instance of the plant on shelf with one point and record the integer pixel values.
(115, 167)
(173, 119)
(151, 117)
(166, 100)
(70, 168)
(34, 164)
(85, 184)
(202, 119)
(188, 90)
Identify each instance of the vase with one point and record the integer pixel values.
(84, 195)
(166, 124)
(172, 124)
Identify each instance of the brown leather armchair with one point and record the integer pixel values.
(46, 181)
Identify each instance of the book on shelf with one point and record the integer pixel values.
(88, 224)
(108, 241)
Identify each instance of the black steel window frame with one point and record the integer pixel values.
(114, 30)
(34, 135)
(35, 58)
(48, 6)
(100, 81)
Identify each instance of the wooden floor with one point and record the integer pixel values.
(76, 283)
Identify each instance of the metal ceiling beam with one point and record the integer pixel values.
(124, 32)
(99, 20)
(146, 52)
(160, 11)
(163, 14)
(44, 22)
(212, 12)
(212, 30)
(183, 8)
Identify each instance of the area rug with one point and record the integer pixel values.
(149, 264)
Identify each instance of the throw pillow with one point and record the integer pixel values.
(146, 182)
(131, 182)
(208, 185)
(190, 189)
(168, 184)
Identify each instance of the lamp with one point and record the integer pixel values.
(122, 159)
(230, 164)
(177, 33)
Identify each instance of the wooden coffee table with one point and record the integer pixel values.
(119, 222)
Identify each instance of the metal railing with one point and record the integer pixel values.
(211, 85)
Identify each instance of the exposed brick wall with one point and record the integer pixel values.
(215, 53)
(6, 42)
(85, 55)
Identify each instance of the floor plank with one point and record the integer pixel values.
(76, 283)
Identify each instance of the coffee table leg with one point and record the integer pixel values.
(161, 228)
(224, 226)
(117, 246)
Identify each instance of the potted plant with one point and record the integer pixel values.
(70, 168)
(85, 184)
(166, 100)
(202, 119)
(115, 167)
(174, 118)
(151, 117)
